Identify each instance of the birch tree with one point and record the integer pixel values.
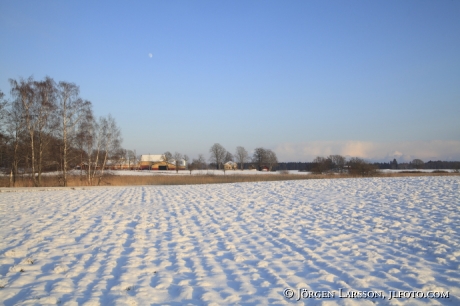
(24, 95)
(272, 159)
(241, 156)
(218, 154)
(95, 143)
(46, 120)
(259, 157)
(14, 128)
(166, 157)
(111, 140)
(71, 110)
(177, 159)
(3, 104)
(201, 161)
(85, 140)
(338, 161)
(131, 155)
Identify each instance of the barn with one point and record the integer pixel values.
(157, 162)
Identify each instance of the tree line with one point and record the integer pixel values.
(219, 156)
(48, 126)
(266, 158)
(416, 164)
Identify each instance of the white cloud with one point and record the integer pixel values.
(376, 151)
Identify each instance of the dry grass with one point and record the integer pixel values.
(127, 180)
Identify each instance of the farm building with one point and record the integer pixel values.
(264, 168)
(230, 165)
(157, 162)
(121, 164)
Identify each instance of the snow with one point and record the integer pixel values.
(231, 244)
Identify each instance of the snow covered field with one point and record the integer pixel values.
(232, 244)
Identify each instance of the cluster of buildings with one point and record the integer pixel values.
(158, 162)
(149, 162)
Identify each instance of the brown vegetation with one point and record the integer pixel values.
(128, 180)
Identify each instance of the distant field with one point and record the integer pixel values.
(136, 178)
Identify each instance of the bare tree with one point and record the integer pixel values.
(241, 156)
(320, 165)
(418, 163)
(228, 157)
(166, 157)
(259, 157)
(71, 110)
(112, 140)
(201, 162)
(358, 166)
(3, 104)
(3, 137)
(84, 141)
(131, 156)
(46, 119)
(177, 159)
(12, 129)
(218, 154)
(119, 158)
(192, 166)
(15, 127)
(93, 143)
(36, 103)
(24, 95)
(338, 161)
(272, 159)
(101, 142)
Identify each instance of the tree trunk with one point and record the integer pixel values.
(102, 169)
(64, 139)
(40, 159)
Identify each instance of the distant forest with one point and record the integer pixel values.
(434, 165)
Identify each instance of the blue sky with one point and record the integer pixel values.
(376, 79)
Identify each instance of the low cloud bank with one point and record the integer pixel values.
(447, 150)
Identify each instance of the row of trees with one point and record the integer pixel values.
(338, 163)
(219, 156)
(48, 126)
(358, 166)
